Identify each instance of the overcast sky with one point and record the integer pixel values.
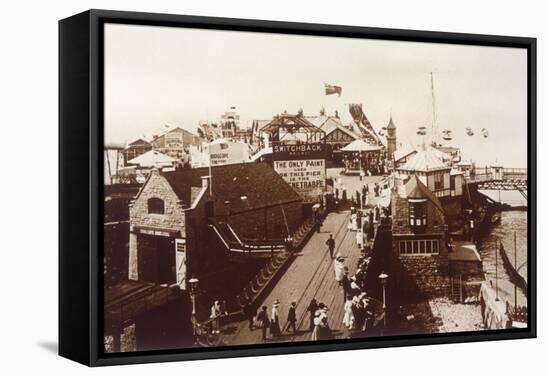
(160, 75)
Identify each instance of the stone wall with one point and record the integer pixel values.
(429, 274)
(173, 218)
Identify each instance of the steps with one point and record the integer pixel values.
(456, 289)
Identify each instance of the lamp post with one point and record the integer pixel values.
(193, 282)
(383, 281)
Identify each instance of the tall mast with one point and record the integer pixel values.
(435, 131)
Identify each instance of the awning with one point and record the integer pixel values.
(360, 146)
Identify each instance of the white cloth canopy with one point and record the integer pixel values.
(152, 158)
(360, 145)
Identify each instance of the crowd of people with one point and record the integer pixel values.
(358, 308)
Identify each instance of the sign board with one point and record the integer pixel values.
(305, 176)
(303, 167)
(299, 151)
(181, 266)
(173, 140)
(221, 153)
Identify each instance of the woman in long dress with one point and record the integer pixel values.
(353, 222)
(275, 327)
(348, 313)
(316, 334)
(339, 268)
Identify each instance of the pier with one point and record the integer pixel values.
(311, 275)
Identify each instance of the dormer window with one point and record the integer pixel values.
(155, 206)
(418, 214)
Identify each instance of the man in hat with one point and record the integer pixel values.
(263, 319)
(331, 245)
(291, 318)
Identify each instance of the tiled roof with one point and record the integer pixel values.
(258, 182)
(403, 151)
(424, 161)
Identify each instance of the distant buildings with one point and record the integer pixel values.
(135, 149)
(174, 143)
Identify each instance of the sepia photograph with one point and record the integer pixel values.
(264, 188)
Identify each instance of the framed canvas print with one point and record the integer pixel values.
(236, 187)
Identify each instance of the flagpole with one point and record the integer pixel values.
(210, 169)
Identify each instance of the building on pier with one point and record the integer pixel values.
(420, 260)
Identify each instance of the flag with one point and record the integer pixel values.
(333, 89)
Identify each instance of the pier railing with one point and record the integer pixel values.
(485, 174)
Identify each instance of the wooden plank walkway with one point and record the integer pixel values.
(311, 275)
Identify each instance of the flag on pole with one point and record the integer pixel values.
(333, 89)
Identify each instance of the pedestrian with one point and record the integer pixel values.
(359, 238)
(317, 322)
(312, 308)
(215, 314)
(344, 195)
(291, 318)
(339, 268)
(317, 223)
(331, 244)
(249, 314)
(346, 287)
(275, 327)
(348, 313)
(263, 320)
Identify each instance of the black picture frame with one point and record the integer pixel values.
(81, 186)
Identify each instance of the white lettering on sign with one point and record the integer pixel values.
(307, 177)
(153, 232)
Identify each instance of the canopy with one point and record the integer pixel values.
(360, 145)
(152, 158)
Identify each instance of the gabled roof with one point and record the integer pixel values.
(330, 125)
(258, 182)
(138, 141)
(415, 189)
(424, 161)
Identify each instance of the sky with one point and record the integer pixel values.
(156, 76)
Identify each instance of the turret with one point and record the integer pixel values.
(391, 138)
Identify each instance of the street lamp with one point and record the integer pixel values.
(383, 281)
(193, 282)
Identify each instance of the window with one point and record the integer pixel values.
(418, 218)
(438, 182)
(419, 247)
(155, 206)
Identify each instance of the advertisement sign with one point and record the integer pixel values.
(299, 151)
(306, 176)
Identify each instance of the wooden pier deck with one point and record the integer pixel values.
(311, 275)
